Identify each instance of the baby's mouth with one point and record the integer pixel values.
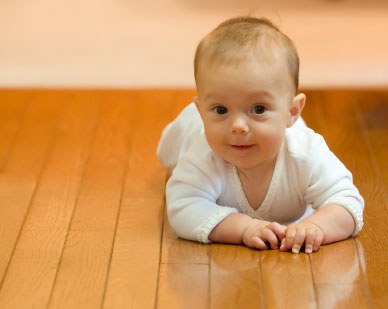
(241, 147)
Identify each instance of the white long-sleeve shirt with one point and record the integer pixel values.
(204, 189)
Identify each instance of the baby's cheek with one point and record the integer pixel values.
(274, 139)
(214, 139)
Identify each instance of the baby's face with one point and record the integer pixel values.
(245, 110)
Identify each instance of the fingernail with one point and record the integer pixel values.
(295, 250)
(308, 249)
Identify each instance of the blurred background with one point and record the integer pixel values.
(151, 44)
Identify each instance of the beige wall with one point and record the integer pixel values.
(129, 44)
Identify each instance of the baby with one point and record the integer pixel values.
(244, 169)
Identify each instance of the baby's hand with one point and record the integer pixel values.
(259, 232)
(302, 233)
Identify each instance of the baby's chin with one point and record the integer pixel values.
(242, 164)
(251, 163)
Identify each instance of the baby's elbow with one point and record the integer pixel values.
(179, 224)
(174, 223)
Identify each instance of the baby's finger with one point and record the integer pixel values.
(299, 240)
(310, 236)
(256, 242)
(290, 237)
(270, 236)
(278, 229)
(283, 246)
(318, 240)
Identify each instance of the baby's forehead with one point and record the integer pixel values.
(264, 52)
(272, 64)
(264, 49)
(246, 76)
(276, 64)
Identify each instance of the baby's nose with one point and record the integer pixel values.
(239, 125)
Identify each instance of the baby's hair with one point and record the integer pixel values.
(234, 39)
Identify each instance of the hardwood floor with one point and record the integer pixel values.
(83, 224)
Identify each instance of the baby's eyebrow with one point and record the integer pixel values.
(211, 96)
(216, 97)
(263, 93)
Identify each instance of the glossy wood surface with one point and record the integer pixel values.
(83, 221)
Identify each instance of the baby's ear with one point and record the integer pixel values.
(296, 108)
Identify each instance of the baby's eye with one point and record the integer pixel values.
(259, 109)
(220, 110)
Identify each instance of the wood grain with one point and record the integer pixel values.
(32, 270)
(136, 254)
(176, 250)
(287, 280)
(84, 265)
(339, 277)
(83, 222)
(342, 133)
(183, 286)
(373, 241)
(20, 174)
(235, 277)
(347, 136)
(12, 107)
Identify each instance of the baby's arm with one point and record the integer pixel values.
(240, 228)
(329, 224)
(331, 191)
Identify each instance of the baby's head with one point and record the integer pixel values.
(246, 72)
(238, 39)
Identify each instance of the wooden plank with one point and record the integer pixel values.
(12, 108)
(176, 250)
(133, 276)
(235, 277)
(32, 270)
(152, 115)
(313, 112)
(184, 265)
(345, 138)
(20, 174)
(81, 278)
(346, 274)
(287, 280)
(339, 277)
(374, 117)
(183, 286)
(373, 241)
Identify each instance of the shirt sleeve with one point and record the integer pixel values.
(192, 193)
(332, 183)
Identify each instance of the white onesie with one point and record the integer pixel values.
(204, 189)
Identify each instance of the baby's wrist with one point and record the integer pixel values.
(246, 225)
(313, 223)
